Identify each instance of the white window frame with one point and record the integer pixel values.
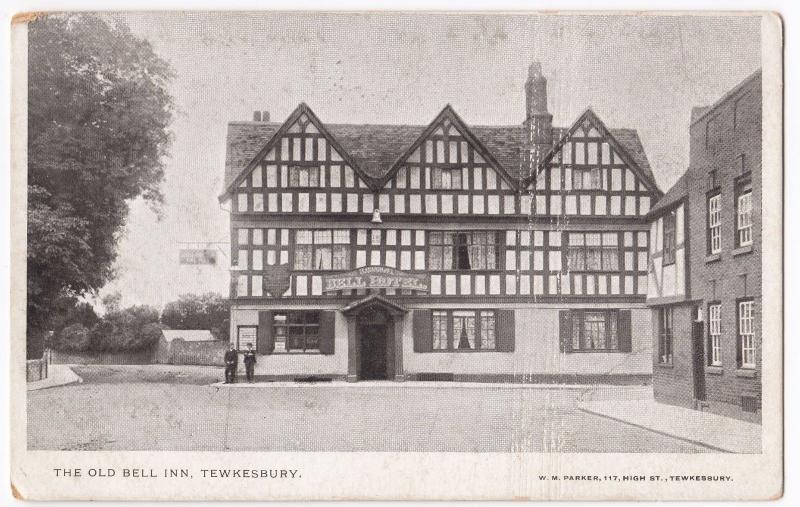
(715, 332)
(715, 223)
(747, 336)
(744, 218)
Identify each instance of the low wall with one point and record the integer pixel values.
(137, 357)
(210, 353)
(36, 369)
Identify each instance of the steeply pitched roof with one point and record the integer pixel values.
(678, 191)
(376, 148)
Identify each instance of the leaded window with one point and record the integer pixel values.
(322, 250)
(296, 331)
(463, 250)
(593, 251)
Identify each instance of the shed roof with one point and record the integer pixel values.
(189, 335)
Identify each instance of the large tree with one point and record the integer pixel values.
(99, 112)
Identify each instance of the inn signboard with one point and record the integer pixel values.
(375, 277)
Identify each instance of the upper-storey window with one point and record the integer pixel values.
(715, 224)
(587, 179)
(744, 216)
(304, 176)
(593, 251)
(463, 250)
(322, 250)
(669, 238)
(447, 179)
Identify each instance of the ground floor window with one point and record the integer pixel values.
(463, 330)
(714, 334)
(746, 334)
(594, 330)
(296, 331)
(665, 315)
(247, 335)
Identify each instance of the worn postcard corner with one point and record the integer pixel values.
(528, 256)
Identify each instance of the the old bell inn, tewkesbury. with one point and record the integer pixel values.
(446, 251)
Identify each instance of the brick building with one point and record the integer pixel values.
(441, 251)
(705, 271)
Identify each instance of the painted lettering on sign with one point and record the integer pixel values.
(375, 277)
(198, 256)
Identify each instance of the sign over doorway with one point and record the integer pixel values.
(375, 277)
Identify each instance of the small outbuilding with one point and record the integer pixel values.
(189, 346)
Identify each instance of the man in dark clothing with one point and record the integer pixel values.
(249, 362)
(231, 362)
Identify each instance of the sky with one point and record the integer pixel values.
(641, 72)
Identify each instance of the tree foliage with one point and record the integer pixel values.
(73, 338)
(205, 311)
(99, 112)
(129, 329)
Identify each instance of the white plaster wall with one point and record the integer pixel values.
(536, 351)
(296, 364)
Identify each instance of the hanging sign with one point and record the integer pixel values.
(195, 256)
(375, 277)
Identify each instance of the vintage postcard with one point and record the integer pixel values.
(397, 255)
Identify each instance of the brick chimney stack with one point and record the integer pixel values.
(261, 116)
(538, 120)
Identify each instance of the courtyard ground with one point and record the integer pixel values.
(158, 407)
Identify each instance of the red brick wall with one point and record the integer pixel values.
(673, 384)
(717, 140)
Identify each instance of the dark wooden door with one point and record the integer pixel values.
(373, 352)
(699, 360)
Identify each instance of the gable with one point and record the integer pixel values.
(588, 143)
(445, 149)
(300, 154)
(589, 172)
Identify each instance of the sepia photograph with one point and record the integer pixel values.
(486, 234)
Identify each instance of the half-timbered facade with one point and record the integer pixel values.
(441, 251)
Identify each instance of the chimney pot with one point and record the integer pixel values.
(256, 115)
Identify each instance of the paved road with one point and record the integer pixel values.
(162, 409)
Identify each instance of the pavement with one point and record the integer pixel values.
(415, 384)
(57, 375)
(712, 431)
(172, 408)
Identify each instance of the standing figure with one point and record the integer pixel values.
(231, 362)
(249, 362)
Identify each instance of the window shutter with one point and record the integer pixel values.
(505, 330)
(265, 342)
(423, 330)
(624, 330)
(564, 331)
(327, 332)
